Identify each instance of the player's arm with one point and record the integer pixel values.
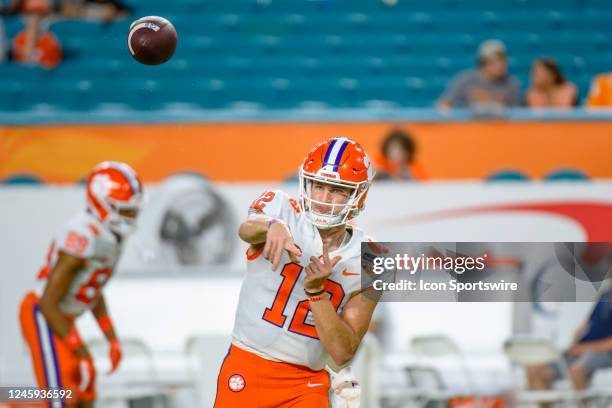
(340, 335)
(58, 283)
(261, 229)
(595, 346)
(579, 333)
(254, 230)
(100, 312)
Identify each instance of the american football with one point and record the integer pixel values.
(152, 40)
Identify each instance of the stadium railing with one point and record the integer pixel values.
(185, 114)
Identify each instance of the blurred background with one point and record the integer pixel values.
(486, 120)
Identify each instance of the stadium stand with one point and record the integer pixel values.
(333, 53)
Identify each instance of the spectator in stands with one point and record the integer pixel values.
(107, 10)
(591, 349)
(489, 87)
(44, 7)
(100, 10)
(600, 94)
(398, 158)
(35, 44)
(549, 89)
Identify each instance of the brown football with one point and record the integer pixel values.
(152, 40)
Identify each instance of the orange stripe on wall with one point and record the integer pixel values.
(265, 151)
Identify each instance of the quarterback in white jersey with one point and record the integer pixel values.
(80, 261)
(301, 301)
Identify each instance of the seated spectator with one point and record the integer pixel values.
(590, 351)
(98, 10)
(398, 158)
(106, 10)
(35, 44)
(549, 89)
(487, 87)
(42, 7)
(600, 94)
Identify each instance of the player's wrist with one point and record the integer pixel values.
(105, 323)
(318, 297)
(314, 291)
(73, 340)
(281, 224)
(273, 221)
(75, 344)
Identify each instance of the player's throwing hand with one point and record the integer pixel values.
(114, 354)
(279, 239)
(318, 270)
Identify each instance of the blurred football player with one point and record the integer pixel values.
(301, 301)
(80, 261)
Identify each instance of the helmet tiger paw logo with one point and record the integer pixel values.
(102, 185)
(114, 194)
(236, 383)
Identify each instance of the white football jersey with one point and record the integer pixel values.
(273, 318)
(86, 238)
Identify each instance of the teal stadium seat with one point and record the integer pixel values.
(21, 180)
(286, 54)
(508, 175)
(12, 25)
(566, 175)
(76, 28)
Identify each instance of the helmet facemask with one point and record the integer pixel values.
(334, 214)
(121, 218)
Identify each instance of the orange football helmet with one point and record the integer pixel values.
(114, 189)
(340, 162)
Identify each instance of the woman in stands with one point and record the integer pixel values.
(549, 89)
(398, 158)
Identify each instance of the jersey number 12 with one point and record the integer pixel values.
(276, 313)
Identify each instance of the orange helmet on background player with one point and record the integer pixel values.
(341, 162)
(114, 189)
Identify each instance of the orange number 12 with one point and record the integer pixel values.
(276, 313)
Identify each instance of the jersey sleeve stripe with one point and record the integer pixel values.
(254, 254)
(93, 229)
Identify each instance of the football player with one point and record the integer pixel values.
(80, 261)
(301, 301)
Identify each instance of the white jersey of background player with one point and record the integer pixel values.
(80, 262)
(301, 300)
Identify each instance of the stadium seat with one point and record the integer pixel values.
(21, 179)
(12, 25)
(77, 28)
(566, 175)
(508, 175)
